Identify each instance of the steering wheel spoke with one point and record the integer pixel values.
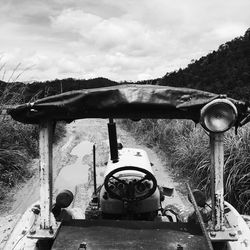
(119, 180)
(111, 182)
(146, 177)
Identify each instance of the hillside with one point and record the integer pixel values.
(37, 90)
(225, 71)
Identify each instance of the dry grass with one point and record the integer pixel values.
(18, 142)
(17, 146)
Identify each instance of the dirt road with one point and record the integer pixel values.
(72, 166)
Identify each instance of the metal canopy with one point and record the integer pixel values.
(121, 101)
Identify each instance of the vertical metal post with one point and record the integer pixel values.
(94, 170)
(217, 185)
(45, 151)
(113, 140)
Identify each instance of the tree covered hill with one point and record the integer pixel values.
(48, 88)
(19, 92)
(225, 71)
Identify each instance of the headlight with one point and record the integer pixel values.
(218, 116)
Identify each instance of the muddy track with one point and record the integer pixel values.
(73, 169)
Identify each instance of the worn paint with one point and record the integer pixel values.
(45, 151)
(217, 185)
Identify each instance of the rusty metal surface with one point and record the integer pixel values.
(38, 233)
(129, 235)
(198, 214)
(45, 171)
(217, 186)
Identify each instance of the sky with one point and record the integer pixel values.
(122, 40)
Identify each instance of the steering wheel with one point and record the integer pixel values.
(130, 187)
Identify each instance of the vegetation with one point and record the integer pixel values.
(186, 146)
(18, 146)
(18, 142)
(37, 90)
(225, 71)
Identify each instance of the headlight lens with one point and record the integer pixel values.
(218, 116)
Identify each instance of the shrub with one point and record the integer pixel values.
(18, 145)
(18, 142)
(60, 131)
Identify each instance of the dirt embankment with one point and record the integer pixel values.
(72, 166)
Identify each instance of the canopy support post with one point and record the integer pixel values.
(46, 173)
(94, 169)
(45, 226)
(218, 231)
(113, 141)
(217, 185)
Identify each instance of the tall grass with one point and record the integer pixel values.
(18, 142)
(18, 145)
(187, 147)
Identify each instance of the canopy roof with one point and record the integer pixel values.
(121, 101)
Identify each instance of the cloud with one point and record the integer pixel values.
(122, 40)
(228, 30)
(78, 21)
(122, 35)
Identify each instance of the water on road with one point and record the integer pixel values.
(77, 173)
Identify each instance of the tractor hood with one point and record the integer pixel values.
(121, 101)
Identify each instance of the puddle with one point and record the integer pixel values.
(82, 149)
(76, 173)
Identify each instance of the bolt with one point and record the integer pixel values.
(32, 231)
(179, 247)
(232, 234)
(83, 245)
(35, 210)
(51, 231)
(212, 234)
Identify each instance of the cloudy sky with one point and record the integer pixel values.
(121, 40)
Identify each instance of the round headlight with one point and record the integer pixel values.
(218, 116)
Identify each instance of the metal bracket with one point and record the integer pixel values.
(229, 231)
(38, 233)
(229, 234)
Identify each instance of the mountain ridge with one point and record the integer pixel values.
(225, 71)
